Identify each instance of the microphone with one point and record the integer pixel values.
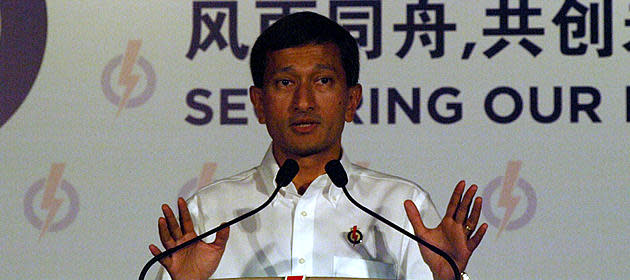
(287, 172)
(285, 175)
(338, 176)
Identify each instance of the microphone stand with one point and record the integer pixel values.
(341, 180)
(282, 180)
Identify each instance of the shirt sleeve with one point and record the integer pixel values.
(412, 265)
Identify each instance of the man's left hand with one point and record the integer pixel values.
(454, 235)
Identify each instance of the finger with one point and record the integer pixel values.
(474, 214)
(464, 205)
(474, 241)
(154, 250)
(184, 217)
(455, 197)
(165, 234)
(171, 222)
(222, 237)
(414, 218)
(166, 261)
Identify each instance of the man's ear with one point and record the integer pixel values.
(256, 96)
(355, 93)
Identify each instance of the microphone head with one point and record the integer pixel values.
(336, 173)
(287, 172)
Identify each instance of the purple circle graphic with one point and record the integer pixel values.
(529, 211)
(188, 189)
(73, 210)
(22, 44)
(114, 98)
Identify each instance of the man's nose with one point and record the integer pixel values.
(304, 98)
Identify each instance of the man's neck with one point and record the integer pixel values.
(310, 169)
(311, 166)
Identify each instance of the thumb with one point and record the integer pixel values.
(414, 218)
(166, 261)
(222, 237)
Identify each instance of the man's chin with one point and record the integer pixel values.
(306, 150)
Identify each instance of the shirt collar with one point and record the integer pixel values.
(332, 192)
(269, 169)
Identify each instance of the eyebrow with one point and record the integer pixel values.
(317, 67)
(325, 67)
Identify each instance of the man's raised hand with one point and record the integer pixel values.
(454, 235)
(196, 261)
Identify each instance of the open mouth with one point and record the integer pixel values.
(304, 126)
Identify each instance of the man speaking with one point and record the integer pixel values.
(305, 69)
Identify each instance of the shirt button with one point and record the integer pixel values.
(301, 261)
(304, 213)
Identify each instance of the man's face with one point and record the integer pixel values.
(304, 100)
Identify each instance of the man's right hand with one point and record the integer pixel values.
(197, 261)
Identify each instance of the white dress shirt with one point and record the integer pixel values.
(307, 234)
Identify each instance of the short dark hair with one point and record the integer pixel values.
(300, 29)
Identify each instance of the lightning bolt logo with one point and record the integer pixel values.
(126, 78)
(205, 178)
(355, 236)
(49, 202)
(506, 199)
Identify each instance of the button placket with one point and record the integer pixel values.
(303, 235)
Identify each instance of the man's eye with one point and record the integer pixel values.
(284, 82)
(325, 80)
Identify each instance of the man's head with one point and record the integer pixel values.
(302, 89)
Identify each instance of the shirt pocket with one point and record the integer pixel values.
(360, 268)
